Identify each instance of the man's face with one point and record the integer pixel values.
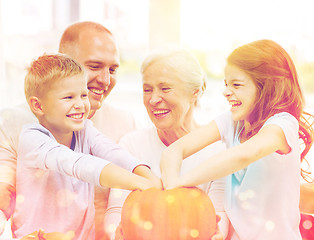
(98, 54)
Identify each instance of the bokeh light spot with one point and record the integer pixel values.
(307, 224)
(194, 233)
(39, 173)
(111, 228)
(170, 199)
(148, 225)
(65, 197)
(269, 226)
(20, 198)
(195, 193)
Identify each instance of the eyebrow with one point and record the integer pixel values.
(101, 63)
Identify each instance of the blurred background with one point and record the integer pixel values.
(209, 29)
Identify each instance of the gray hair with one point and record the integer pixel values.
(183, 63)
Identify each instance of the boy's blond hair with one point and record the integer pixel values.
(48, 69)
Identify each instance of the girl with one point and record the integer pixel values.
(261, 131)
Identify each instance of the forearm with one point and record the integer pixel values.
(116, 177)
(306, 198)
(170, 166)
(217, 166)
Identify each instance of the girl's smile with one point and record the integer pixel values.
(241, 92)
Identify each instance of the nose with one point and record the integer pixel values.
(79, 104)
(103, 77)
(155, 98)
(227, 92)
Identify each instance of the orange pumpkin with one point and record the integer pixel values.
(176, 214)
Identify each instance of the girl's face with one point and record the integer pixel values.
(169, 103)
(65, 106)
(241, 92)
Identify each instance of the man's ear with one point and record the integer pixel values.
(35, 105)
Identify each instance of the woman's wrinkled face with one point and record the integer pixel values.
(168, 100)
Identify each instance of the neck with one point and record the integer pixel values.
(169, 136)
(91, 114)
(61, 137)
(246, 132)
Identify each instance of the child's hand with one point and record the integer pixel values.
(145, 172)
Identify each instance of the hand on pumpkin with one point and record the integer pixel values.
(218, 234)
(145, 172)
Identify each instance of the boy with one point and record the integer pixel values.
(62, 157)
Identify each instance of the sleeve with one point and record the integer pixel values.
(114, 210)
(117, 198)
(216, 193)
(224, 122)
(104, 148)
(289, 125)
(38, 149)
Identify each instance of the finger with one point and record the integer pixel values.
(218, 218)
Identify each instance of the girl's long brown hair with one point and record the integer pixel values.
(275, 76)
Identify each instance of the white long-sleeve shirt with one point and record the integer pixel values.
(55, 185)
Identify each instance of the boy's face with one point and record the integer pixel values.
(65, 106)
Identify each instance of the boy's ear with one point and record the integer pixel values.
(35, 105)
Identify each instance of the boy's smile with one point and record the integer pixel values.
(65, 106)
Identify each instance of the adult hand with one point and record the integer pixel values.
(3, 221)
(218, 234)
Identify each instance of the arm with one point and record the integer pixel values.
(171, 160)
(216, 193)
(269, 139)
(38, 149)
(116, 177)
(306, 199)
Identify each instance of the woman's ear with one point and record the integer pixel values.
(35, 105)
(195, 96)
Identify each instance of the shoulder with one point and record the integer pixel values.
(16, 116)
(35, 129)
(224, 119)
(284, 120)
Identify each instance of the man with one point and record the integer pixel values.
(94, 47)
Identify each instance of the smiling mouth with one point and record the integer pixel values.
(76, 115)
(160, 112)
(97, 91)
(235, 103)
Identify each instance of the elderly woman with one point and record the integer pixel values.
(173, 82)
